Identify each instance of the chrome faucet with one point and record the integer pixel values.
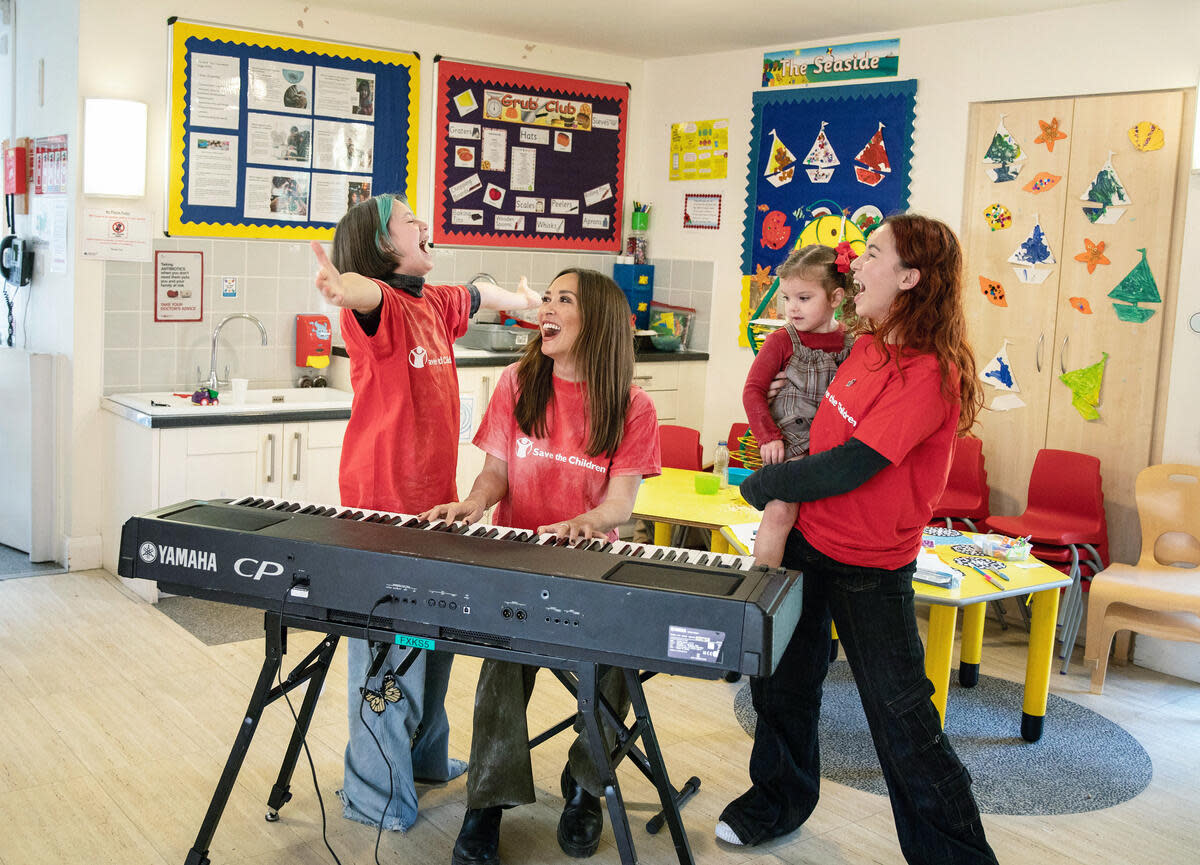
(213, 382)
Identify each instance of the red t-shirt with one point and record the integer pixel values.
(401, 445)
(553, 478)
(903, 415)
(773, 355)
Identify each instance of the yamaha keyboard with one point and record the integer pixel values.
(629, 605)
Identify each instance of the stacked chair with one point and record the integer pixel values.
(1160, 595)
(1064, 519)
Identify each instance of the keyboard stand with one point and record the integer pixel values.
(580, 677)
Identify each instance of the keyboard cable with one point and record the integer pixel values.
(297, 581)
(361, 703)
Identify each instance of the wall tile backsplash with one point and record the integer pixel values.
(275, 283)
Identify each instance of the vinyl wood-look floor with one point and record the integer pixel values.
(115, 724)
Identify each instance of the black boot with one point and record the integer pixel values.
(479, 838)
(581, 821)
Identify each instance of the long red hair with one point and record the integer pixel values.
(929, 317)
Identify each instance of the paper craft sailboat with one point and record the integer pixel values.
(1106, 198)
(1004, 154)
(1031, 252)
(1138, 286)
(875, 160)
(781, 167)
(822, 158)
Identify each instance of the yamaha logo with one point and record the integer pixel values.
(148, 552)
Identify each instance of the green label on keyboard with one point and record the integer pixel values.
(415, 642)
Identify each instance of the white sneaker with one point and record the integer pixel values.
(726, 834)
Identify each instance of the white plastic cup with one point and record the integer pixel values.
(237, 389)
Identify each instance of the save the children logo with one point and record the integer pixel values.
(524, 446)
(419, 358)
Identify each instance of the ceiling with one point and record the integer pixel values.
(672, 28)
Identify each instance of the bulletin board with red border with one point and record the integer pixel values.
(527, 159)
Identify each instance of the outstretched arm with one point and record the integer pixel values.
(492, 296)
(348, 290)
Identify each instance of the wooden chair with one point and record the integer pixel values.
(1160, 595)
(680, 446)
(1064, 518)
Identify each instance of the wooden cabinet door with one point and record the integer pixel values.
(1012, 438)
(1121, 437)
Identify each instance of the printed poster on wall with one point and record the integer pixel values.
(699, 150)
(827, 164)
(275, 136)
(827, 64)
(527, 159)
(178, 286)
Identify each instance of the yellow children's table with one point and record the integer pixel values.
(1031, 577)
(671, 499)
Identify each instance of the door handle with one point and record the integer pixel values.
(1038, 356)
(1062, 354)
(271, 459)
(296, 440)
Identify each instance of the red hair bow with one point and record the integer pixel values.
(845, 255)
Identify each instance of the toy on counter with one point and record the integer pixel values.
(205, 396)
(1005, 548)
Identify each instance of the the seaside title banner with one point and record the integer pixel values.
(826, 64)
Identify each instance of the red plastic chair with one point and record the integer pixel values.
(964, 502)
(736, 431)
(1064, 518)
(680, 446)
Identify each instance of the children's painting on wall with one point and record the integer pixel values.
(827, 164)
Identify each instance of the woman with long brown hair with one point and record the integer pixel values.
(568, 439)
(880, 453)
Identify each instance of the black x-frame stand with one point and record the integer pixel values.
(579, 677)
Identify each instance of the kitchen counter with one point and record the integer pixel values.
(469, 357)
(160, 410)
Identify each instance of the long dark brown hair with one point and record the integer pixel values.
(929, 317)
(603, 355)
(361, 243)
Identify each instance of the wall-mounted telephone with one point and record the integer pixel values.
(16, 260)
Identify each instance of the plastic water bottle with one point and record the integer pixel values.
(721, 463)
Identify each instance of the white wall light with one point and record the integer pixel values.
(114, 148)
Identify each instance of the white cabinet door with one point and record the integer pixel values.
(211, 462)
(311, 453)
(475, 386)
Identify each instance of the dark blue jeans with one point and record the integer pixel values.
(936, 817)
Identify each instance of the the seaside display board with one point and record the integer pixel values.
(827, 164)
(527, 159)
(275, 136)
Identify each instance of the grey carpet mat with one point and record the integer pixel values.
(1083, 762)
(211, 622)
(15, 564)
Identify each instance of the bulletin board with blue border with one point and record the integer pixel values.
(826, 165)
(527, 159)
(275, 137)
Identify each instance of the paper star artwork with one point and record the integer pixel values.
(1050, 133)
(762, 277)
(1085, 387)
(998, 373)
(1092, 255)
(1081, 304)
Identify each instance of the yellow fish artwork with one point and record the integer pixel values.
(1147, 136)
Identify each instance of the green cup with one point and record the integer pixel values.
(639, 220)
(706, 484)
